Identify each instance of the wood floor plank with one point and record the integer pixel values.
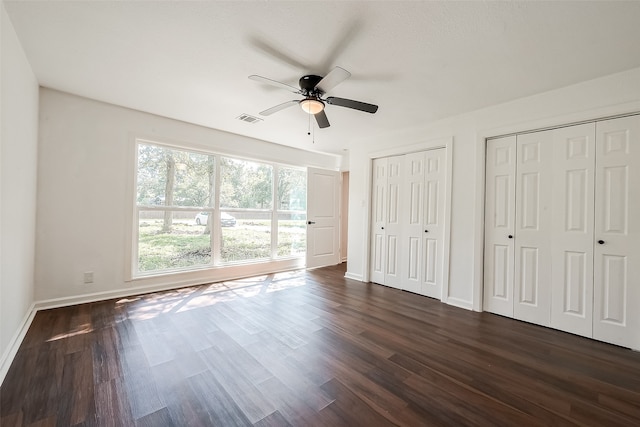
(309, 348)
(237, 383)
(111, 403)
(275, 419)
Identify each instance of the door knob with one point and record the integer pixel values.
(601, 242)
(426, 231)
(382, 228)
(311, 222)
(510, 236)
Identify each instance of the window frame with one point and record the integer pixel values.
(215, 262)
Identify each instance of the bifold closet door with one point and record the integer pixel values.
(413, 208)
(616, 314)
(423, 239)
(572, 231)
(533, 222)
(386, 224)
(393, 227)
(499, 225)
(378, 220)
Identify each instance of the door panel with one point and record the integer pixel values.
(414, 207)
(393, 224)
(323, 213)
(499, 225)
(572, 231)
(617, 206)
(433, 224)
(378, 237)
(534, 180)
(424, 222)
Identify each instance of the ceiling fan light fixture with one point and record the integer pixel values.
(312, 105)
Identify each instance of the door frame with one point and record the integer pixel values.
(447, 144)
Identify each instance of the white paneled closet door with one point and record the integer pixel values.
(413, 209)
(433, 226)
(499, 225)
(393, 225)
(616, 315)
(572, 231)
(378, 220)
(533, 237)
(423, 256)
(386, 224)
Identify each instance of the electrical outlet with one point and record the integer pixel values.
(88, 277)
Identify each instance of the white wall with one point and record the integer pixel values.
(614, 94)
(85, 193)
(18, 170)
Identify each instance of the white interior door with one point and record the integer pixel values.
(533, 234)
(413, 208)
(378, 220)
(499, 225)
(323, 217)
(393, 224)
(616, 316)
(572, 250)
(433, 225)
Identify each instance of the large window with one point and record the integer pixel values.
(198, 210)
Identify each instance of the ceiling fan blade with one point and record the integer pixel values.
(333, 79)
(349, 103)
(279, 107)
(279, 53)
(323, 121)
(275, 83)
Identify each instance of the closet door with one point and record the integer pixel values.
(413, 210)
(433, 223)
(423, 252)
(616, 316)
(378, 220)
(572, 231)
(533, 235)
(499, 225)
(393, 226)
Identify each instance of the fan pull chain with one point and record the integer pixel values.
(310, 130)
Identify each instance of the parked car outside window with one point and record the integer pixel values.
(226, 220)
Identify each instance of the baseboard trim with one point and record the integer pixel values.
(107, 295)
(16, 341)
(354, 276)
(138, 290)
(460, 303)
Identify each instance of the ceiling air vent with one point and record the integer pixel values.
(249, 119)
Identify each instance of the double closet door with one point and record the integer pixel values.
(562, 229)
(407, 228)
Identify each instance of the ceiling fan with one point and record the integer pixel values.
(313, 88)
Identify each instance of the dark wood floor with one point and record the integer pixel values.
(309, 348)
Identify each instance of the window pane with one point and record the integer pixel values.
(292, 189)
(292, 235)
(174, 177)
(245, 185)
(249, 239)
(152, 174)
(194, 179)
(171, 239)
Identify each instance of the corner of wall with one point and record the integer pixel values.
(18, 164)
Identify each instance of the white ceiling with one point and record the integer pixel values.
(419, 61)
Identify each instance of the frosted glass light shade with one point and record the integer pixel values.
(312, 106)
